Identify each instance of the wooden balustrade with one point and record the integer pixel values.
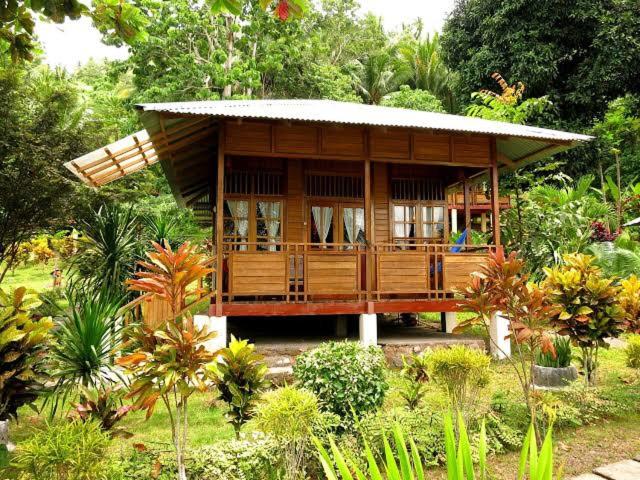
(308, 272)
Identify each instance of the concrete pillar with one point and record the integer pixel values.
(368, 329)
(341, 326)
(500, 345)
(450, 321)
(213, 324)
(454, 220)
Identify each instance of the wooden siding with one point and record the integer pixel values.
(403, 272)
(458, 267)
(381, 203)
(258, 273)
(332, 273)
(306, 140)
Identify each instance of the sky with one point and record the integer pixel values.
(75, 42)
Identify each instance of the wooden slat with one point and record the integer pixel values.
(459, 267)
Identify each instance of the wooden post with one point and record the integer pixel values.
(495, 194)
(368, 223)
(467, 209)
(483, 222)
(219, 219)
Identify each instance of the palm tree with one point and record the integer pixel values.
(426, 70)
(377, 75)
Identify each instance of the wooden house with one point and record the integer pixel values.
(323, 207)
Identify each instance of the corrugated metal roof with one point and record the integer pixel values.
(358, 114)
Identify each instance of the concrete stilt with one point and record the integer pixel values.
(450, 321)
(213, 324)
(368, 329)
(454, 220)
(500, 342)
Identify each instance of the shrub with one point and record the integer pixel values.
(632, 351)
(563, 356)
(239, 373)
(461, 371)
(104, 406)
(252, 458)
(629, 298)
(415, 375)
(290, 415)
(590, 312)
(65, 451)
(344, 376)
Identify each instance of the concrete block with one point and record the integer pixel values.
(213, 324)
(451, 321)
(368, 329)
(500, 345)
(625, 470)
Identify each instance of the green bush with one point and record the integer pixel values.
(462, 372)
(344, 376)
(65, 451)
(563, 357)
(632, 351)
(252, 458)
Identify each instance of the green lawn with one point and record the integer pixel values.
(36, 277)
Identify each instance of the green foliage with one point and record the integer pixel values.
(562, 359)
(415, 373)
(239, 374)
(590, 312)
(23, 342)
(86, 338)
(103, 406)
(251, 458)
(540, 465)
(413, 99)
(347, 377)
(290, 415)
(377, 75)
(65, 451)
(462, 372)
(632, 351)
(403, 461)
(620, 258)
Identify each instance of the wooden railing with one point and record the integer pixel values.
(478, 198)
(306, 272)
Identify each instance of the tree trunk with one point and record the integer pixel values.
(228, 21)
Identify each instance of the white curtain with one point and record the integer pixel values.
(322, 217)
(271, 213)
(240, 212)
(359, 223)
(350, 228)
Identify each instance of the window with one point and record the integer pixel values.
(353, 225)
(417, 220)
(253, 224)
(404, 221)
(433, 222)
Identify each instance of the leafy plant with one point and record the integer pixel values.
(239, 373)
(589, 310)
(290, 415)
(65, 451)
(461, 371)
(540, 465)
(620, 258)
(324, 371)
(629, 298)
(161, 228)
(415, 374)
(86, 339)
(632, 351)
(103, 406)
(502, 286)
(169, 364)
(562, 347)
(23, 342)
(408, 465)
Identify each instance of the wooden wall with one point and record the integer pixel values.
(306, 140)
(295, 227)
(380, 194)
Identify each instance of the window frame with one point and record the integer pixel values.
(252, 234)
(420, 222)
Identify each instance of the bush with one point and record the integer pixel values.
(290, 415)
(252, 458)
(65, 451)
(344, 376)
(632, 351)
(461, 371)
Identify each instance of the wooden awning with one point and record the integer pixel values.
(139, 150)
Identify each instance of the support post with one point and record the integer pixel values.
(500, 345)
(450, 321)
(368, 219)
(219, 219)
(368, 329)
(454, 220)
(495, 195)
(467, 208)
(483, 222)
(213, 324)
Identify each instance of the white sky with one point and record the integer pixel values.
(75, 42)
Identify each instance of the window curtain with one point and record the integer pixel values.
(271, 213)
(350, 228)
(240, 212)
(359, 223)
(322, 217)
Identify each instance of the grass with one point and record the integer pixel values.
(36, 277)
